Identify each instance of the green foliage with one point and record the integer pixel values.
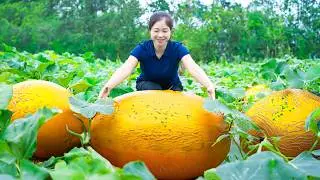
(111, 29)
(88, 164)
(89, 110)
(84, 76)
(21, 134)
(18, 143)
(306, 162)
(5, 95)
(264, 165)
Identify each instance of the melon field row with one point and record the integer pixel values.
(264, 124)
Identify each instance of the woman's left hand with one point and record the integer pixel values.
(211, 92)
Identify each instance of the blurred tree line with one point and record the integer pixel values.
(111, 28)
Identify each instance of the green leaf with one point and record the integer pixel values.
(271, 65)
(281, 66)
(62, 172)
(312, 122)
(238, 92)
(241, 120)
(50, 162)
(138, 168)
(5, 76)
(80, 163)
(211, 175)
(307, 163)
(312, 73)
(7, 177)
(220, 138)
(81, 152)
(264, 165)
(21, 134)
(75, 153)
(89, 57)
(89, 110)
(7, 48)
(5, 95)
(268, 69)
(294, 79)
(31, 171)
(81, 85)
(266, 143)
(225, 95)
(5, 118)
(120, 90)
(7, 160)
(216, 106)
(277, 85)
(96, 155)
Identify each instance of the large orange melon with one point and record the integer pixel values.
(170, 131)
(53, 138)
(283, 114)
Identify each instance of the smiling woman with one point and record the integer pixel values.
(159, 60)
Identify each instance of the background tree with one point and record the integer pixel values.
(112, 28)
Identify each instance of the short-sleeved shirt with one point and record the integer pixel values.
(163, 71)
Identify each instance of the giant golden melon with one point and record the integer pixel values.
(283, 114)
(170, 131)
(53, 139)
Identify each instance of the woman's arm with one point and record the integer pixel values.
(197, 72)
(119, 75)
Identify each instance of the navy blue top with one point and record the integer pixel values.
(163, 71)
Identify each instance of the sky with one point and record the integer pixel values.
(144, 18)
(244, 3)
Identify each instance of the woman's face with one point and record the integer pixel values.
(160, 33)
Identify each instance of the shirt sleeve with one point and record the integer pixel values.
(137, 52)
(182, 51)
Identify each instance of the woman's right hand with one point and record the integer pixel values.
(105, 91)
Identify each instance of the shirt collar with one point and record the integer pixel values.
(165, 53)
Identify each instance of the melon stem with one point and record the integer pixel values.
(315, 144)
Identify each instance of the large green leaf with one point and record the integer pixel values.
(277, 85)
(241, 120)
(30, 171)
(307, 163)
(294, 79)
(313, 121)
(138, 168)
(5, 95)
(7, 177)
(264, 165)
(120, 90)
(7, 160)
(268, 69)
(21, 135)
(313, 73)
(96, 155)
(83, 164)
(225, 94)
(89, 110)
(80, 86)
(5, 118)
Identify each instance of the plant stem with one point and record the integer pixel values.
(18, 167)
(238, 146)
(315, 144)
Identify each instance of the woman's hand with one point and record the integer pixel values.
(105, 91)
(212, 92)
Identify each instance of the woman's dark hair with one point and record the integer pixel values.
(158, 16)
